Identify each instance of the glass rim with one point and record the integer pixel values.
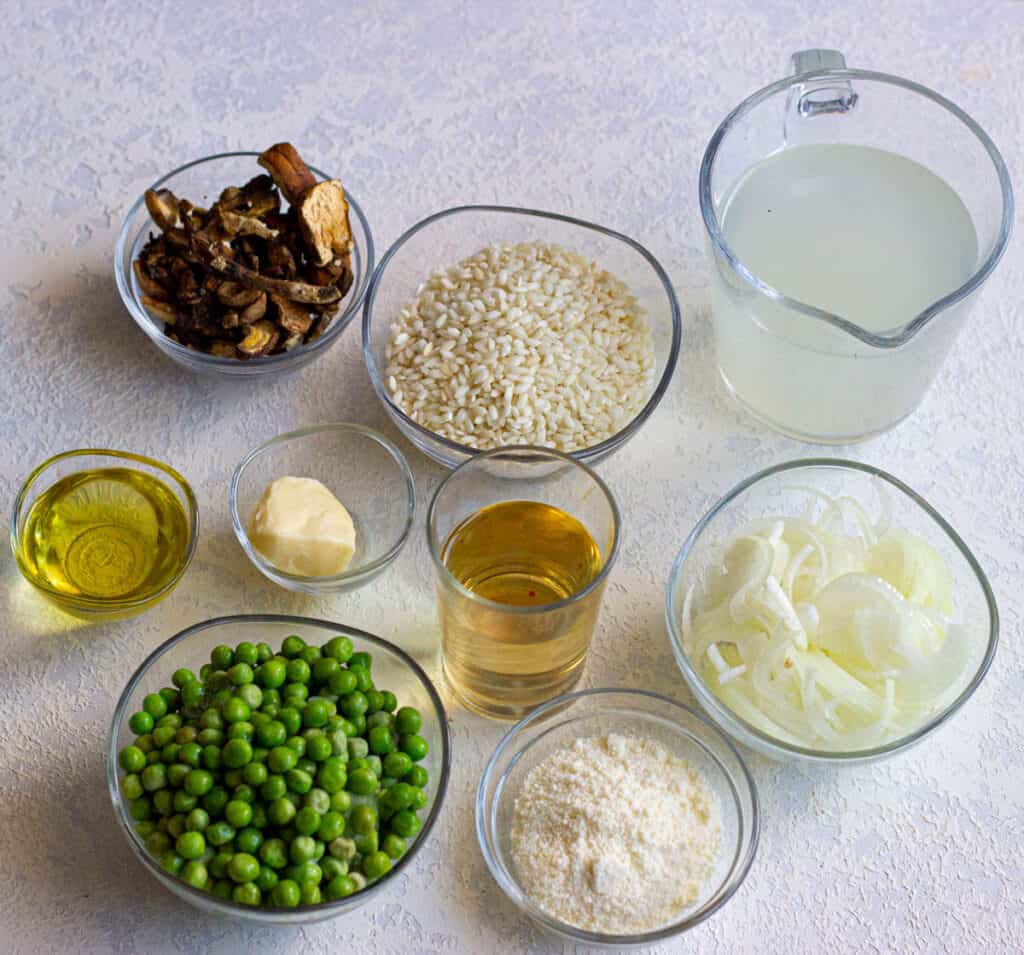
(99, 605)
(729, 719)
(364, 570)
(581, 454)
(230, 907)
(738, 869)
(523, 449)
(142, 318)
(902, 334)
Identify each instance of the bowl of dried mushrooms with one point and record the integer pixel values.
(244, 263)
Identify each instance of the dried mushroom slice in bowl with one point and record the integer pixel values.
(262, 271)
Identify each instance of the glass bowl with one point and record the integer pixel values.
(362, 468)
(784, 490)
(72, 462)
(201, 181)
(448, 237)
(392, 667)
(680, 730)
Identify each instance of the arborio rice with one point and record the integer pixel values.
(522, 344)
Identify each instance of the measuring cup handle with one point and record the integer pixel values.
(822, 94)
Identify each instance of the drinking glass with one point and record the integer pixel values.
(501, 660)
(798, 368)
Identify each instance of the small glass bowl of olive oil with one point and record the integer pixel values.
(104, 534)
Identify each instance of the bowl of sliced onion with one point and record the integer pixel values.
(822, 611)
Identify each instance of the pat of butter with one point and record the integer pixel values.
(302, 528)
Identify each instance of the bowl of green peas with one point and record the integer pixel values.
(277, 769)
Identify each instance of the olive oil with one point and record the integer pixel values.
(524, 556)
(110, 534)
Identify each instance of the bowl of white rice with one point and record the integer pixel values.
(490, 326)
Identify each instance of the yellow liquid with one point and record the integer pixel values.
(518, 554)
(108, 534)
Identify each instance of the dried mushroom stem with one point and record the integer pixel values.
(286, 167)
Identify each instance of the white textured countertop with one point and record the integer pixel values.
(602, 114)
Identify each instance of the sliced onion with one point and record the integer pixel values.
(831, 632)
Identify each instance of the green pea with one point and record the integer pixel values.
(394, 846)
(332, 775)
(215, 800)
(341, 801)
(190, 845)
(140, 809)
(286, 894)
(274, 853)
(131, 786)
(272, 674)
(361, 659)
(163, 802)
(354, 705)
(319, 748)
(197, 820)
(172, 862)
(171, 698)
(162, 736)
(145, 743)
(238, 813)
(244, 793)
(266, 881)
(298, 671)
(240, 674)
(252, 695)
(381, 741)
(340, 887)
(310, 894)
(243, 867)
(364, 682)
(419, 799)
(281, 812)
(274, 788)
(338, 648)
(158, 843)
(221, 657)
(358, 748)
(291, 718)
(299, 781)
(191, 695)
(310, 655)
(397, 764)
(219, 833)
(241, 730)
(318, 799)
(263, 652)
(255, 774)
(235, 710)
(332, 825)
(141, 723)
(363, 820)
(342, 682)
(249, 840)
(415, 747)
(298, 744)
(306, 873)
(247, 653)
(307, 821)
(405, 824)
(154, 777)
(236, 753)
(365, 844)
(342, 848)
(363, 782)
(324, 668)
(390, 701)
(184, 802)
(155, 705)
(223, 888)
(194, 873)
(211, 719)
(376, 865)
(332, 868)
(408, 721)
(281, 759)
(292, 646)
(219, 863)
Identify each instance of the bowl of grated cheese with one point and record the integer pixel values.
(490, 326)
(617, 817)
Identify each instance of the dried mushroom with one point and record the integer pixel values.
(247, 277)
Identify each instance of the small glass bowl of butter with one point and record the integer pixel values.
(324, 509)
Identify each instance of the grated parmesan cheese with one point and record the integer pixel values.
(614, 834)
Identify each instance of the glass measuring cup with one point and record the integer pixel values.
(809, 372)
